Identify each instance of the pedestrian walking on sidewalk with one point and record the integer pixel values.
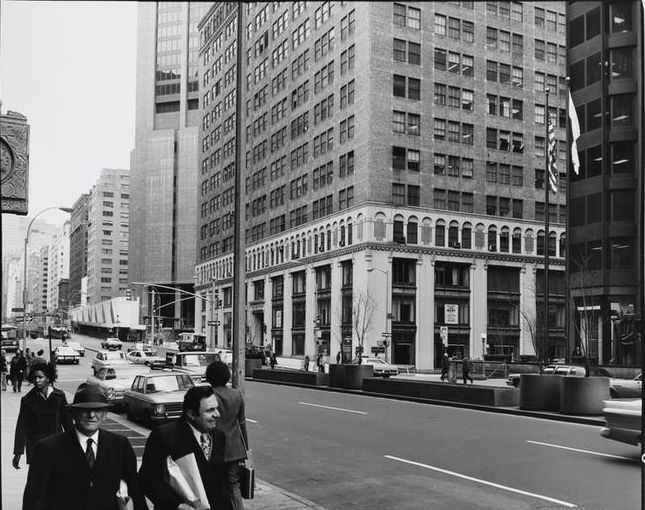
(273, 361)
(17, 370)
(83, 467)
(307, 363)
(3, 370)
(465, 370)
(42, 412)
(338, 358)
(232, 422)
(445, 365)
(196, 435)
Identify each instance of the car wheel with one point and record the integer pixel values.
(613, 393)
(516, 383)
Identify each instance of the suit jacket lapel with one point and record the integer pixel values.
(102, 447)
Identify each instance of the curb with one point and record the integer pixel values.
(582, 420)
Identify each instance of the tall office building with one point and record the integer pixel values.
(107, 236)
(164, 160)
(78, 248)
(606, 195)
(58, 261)
(393, 157)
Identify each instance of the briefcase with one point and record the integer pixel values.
(247, 481)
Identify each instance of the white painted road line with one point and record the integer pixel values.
(484, 482)
(579, 450)
(332, 408)
(250, 420)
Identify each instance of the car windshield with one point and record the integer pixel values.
(168, 383)
(115, 355)
(149, 354)
(66, 350)
(199, 359)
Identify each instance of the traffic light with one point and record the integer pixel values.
(128, 294)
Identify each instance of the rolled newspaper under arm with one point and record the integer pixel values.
(186, 480)
(123, 500)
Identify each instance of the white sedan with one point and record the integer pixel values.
(623, 417)
(381, 367)
(146, 357)
(626, 388)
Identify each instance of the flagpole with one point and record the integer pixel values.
(547, 184)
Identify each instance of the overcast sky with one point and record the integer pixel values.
(69, 67)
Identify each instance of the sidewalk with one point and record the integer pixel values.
(267, 496)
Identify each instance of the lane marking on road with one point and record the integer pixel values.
(484, 482)
(250, 420)
(71, 380)
(332, 408)
(579, 450)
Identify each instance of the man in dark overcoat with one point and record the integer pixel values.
(194, 433)
(82, 468)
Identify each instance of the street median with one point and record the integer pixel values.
(291, 376)
(471, 394)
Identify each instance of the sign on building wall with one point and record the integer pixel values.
(14, 163)
(451, 314)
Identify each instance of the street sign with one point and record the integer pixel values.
(377, 350)
(17, 309)
(213, 323)
(444, 334)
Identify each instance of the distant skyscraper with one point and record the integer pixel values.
(58, 258)
(78, 248)
(164, 161)
(606, 196)
(107, 236)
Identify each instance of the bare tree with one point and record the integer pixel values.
(582, 314)
(363, 310)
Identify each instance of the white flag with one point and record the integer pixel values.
(575, 134)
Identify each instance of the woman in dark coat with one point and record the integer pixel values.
(232, 422)
(42, 412)
(17, 369)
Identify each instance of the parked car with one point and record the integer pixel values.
(626, 388)
(77, 347)
(104, 358)
(156, 397)
(514, 379)
(111, 344)
(146, 357)
(63, 354)
(381, 367)
(114, 380)
(623, 417)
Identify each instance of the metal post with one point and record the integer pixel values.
(388, 315)
(239, 258)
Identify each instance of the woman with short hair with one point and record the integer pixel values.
(42, 412)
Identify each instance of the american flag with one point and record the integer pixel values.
(552, 153)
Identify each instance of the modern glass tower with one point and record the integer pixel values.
(164, 159)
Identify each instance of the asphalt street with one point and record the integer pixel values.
(347, 451)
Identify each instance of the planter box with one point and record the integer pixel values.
(540, 392)
(337, 376)
(250, 365)
(291, 376)
(583, 395)
(470, 394)
(354, 375)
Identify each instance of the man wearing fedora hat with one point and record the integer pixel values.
(83, 468)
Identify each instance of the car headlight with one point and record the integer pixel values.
(111, 393)
(159, 409)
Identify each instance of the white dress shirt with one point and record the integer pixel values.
(82, 439)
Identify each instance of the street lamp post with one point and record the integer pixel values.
(388, 315)
(24, 279)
